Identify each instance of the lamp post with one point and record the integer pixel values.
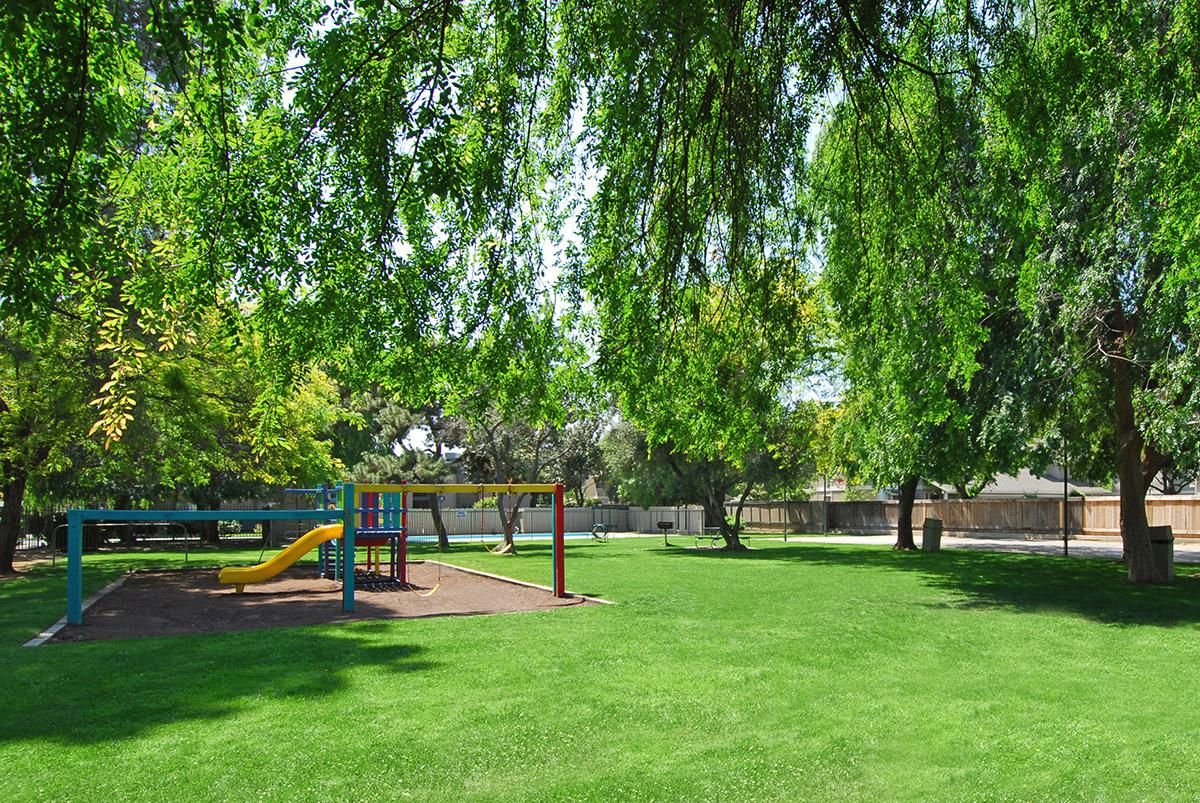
(1066, 513)
(825, 504)
(1066, 516)
(787, 512)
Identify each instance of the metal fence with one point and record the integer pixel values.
(43, 529)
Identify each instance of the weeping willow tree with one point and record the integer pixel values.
(694, 241)
(921, 259)
(366, 183)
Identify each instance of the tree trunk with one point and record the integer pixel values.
(435, 510)
(10, 518)
(210, 532)
(508, 519)
(904, 527)
(714, 509)
(737, 515)
(130, 531)
(1135, 527)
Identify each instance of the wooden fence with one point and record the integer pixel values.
(1089, 516)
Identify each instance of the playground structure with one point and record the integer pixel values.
(381, 519)
(367, 515)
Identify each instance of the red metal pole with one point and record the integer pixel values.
(404, 534)
(560, 581)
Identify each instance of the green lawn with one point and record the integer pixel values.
(799, 671)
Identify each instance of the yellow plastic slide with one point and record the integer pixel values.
(240, 576)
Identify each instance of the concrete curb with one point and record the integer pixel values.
(52, 630)
(504, 579)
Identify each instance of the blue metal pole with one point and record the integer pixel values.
(348, 505)
(74, 567)
(323, 550)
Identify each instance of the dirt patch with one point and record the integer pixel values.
(192, 601)
(27, 559)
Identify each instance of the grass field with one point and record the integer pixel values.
(800, 671)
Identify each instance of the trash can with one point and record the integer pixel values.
(1162, 547)
(931, 535)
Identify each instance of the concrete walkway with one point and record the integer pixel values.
(1186, 551)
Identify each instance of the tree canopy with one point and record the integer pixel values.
(921, 275)
(1098, 113)
(999, 200)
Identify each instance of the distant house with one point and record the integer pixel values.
(837, 489)
(1027, 485)
(1165, 484)
(1023, 485)
(595, 488)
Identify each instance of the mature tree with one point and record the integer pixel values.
(581, 460)
(654, 474)
(530, 403)
(1096, 111)
(647, 474)
(415, 167)
(506, 450)
(711, 390)
(696, 242)
(369, 175)
(47, 376)
(392, 443)
(639, 473)
(934, 352)
(129, 163)
(211, 424)
(1173, 479)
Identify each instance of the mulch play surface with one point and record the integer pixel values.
(192, 601)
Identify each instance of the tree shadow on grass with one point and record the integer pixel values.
(1093, 588)
(107, 691)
